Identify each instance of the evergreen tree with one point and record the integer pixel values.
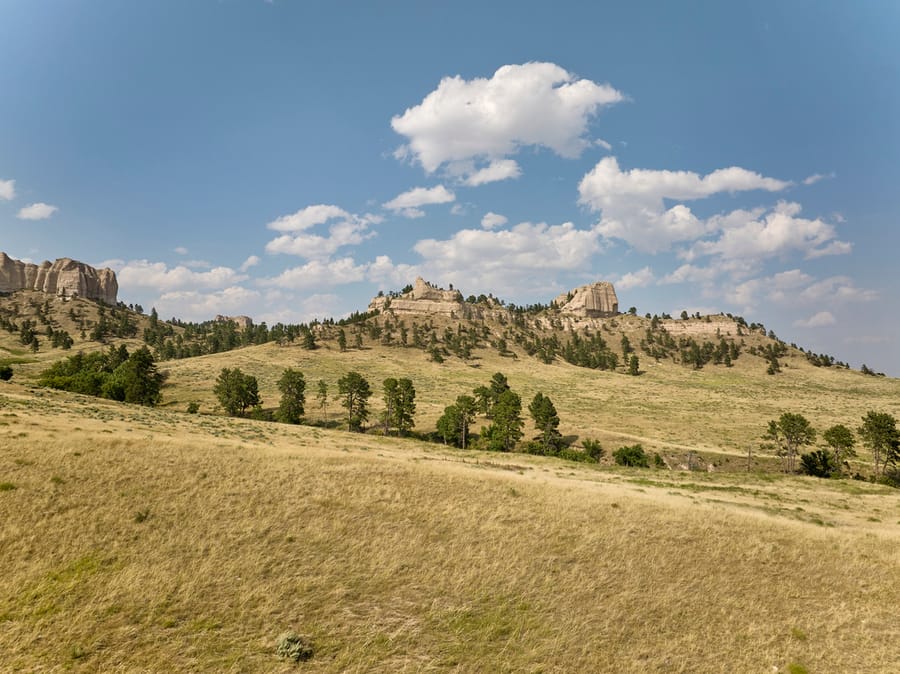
(236, 391)
(506, 430)
(879, 432)
(546, 420)
(840, 440)
(454, 424)
(634, 367)
(322, 398)
(342, 340)
(293, 396)
(791, 432)
(355, 393)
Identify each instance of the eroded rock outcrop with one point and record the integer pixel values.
(424, 298)
(65, 276)
(243, 322)
(595, 300)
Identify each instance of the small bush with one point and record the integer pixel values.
(7, 486)
(6, 372)
(592, 448)
(259, 414)
(658, 461)
(819, 463)
(294, 647)
(570, 454)
(193, 408)
(633, 455)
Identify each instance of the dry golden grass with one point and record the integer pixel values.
(150, 540)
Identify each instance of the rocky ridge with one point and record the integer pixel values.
(62, 277)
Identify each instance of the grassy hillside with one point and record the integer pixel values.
(135, 539)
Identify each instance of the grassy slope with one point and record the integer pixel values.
(670, 408)
(149, 540)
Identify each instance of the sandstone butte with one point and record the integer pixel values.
(595, 300)
(65, 276)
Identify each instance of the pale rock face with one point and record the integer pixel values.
(595, 300)
(243, 322)
(65, 276)
(423, 299)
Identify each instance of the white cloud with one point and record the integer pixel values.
(779, 232)
(319, 274)
(524, 258)
(7, 190)
(38, 211)
(816, 177)
(347, 230)
(251, 261)
(157, 275)
(533, 104)
(599, 142)
(497, 170)
(688, 273)
(193, 305)
(181, 250)
(637, 279)
(632, 203)
(819, 320)
(491, 220)
(795, 288)
(407, 204)
(308, 217)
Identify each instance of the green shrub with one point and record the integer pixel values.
(658, 461)
(193, 408)
(632, 455)
(7, 486)
(592, 448)
(819, 463)
(294, 647)
(571, 454)
(6, 372)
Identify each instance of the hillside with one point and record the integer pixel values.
(147, 539)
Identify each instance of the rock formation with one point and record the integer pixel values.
(424, 298)
(595, 300)
(65, 276)
(243, 322)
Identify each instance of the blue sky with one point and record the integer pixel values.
(289, 159)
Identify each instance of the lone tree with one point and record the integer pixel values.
(139, 379)
(879, 432)
(293, 396)
(546, 420)
(236, 391)
(791, 432)
(840, 440)
(355, 392)
(634, 366)
(322, 398)
(506, 430)
(453, 426)
(399, 405)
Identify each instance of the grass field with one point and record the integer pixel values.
(148, 540)
(136, 539)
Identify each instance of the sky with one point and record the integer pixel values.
(288, 159)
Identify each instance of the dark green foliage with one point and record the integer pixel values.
(658, 461)
(589, 352)
(355, 393)
(632, 455)
(790, 433)
(115, 375)
(634, 366)
(818, 463)
(506, 430)
(840, 440)
(236, 391)
(294, 647)
(399, 404)
(571, 454)
(6, 372)
(592, 448)
(879, 432)
(193, 408)
(546, 419)
(342, 340)
(292, 386)
(453, 425)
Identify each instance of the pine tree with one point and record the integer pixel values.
(293, 396)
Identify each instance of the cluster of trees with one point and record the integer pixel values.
(792, 432)
(114, 374)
